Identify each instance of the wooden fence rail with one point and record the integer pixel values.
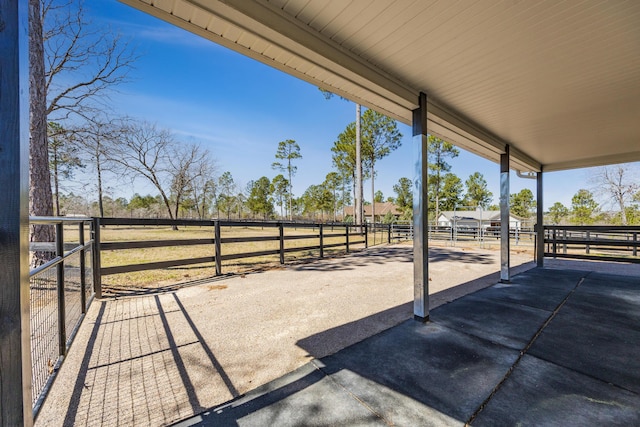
(352, 235)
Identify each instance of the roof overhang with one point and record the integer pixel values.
(559, 82)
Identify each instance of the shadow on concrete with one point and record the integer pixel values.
(380, 255)
(80, 385)
(343, 262)
(126, 291)
(177, 359)
(525, 359)
(212, 358)
(332, 340)
(98, 383)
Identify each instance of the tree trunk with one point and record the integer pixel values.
(40, 197)
(175, 227)
(290, 193)
(355, 203)
(201, 214)
(623, 212)
(373, 194)
(100, 203)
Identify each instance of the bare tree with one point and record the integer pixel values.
(144, 151)
(63, 158)
(619, 184)
(204, 188)
(83, 61)
(188, 163)
(95, 138)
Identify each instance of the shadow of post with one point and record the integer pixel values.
(179, 363)
(214, 361)
(72, 410)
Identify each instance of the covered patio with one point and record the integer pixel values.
(554, 347)
(535, 87)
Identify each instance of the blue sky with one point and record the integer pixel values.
(240, 109)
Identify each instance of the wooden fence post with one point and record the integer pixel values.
(322, 241)
(97, 261)
(281, 232)
(347, 237)
(218, 246)
(366, 235)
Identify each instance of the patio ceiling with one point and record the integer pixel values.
(559, 81)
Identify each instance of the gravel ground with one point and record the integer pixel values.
(158, 358)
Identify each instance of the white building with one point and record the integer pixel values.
(473, 219)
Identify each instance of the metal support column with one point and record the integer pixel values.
(359, 205)
(539, 221)
(15, 347)
(504, 216)
(62, 311)
(420, 213)
(83, 269)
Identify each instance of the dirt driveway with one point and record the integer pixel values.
(156, 359)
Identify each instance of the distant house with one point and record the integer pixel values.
(472, 219)
(381, 210)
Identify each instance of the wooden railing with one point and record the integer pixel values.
(349, 235)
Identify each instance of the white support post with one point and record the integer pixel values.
(539, 221)
(420, 213)
(504, 217)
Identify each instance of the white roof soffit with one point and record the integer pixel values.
(558, 81)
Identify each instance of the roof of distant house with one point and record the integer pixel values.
(475, 215)
(381, 209)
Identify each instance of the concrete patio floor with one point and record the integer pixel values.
(157, 358)
(554, 347)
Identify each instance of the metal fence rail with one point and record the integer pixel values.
(61, 290)
(403, 232)
(602, 243)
